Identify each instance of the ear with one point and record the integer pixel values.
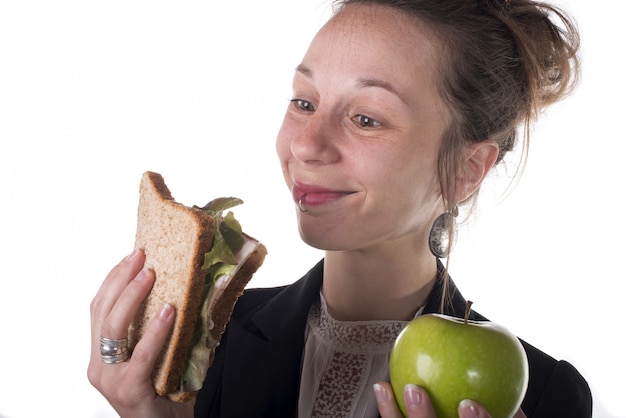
(478, 159)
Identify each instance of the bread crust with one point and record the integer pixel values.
(174, 238)
(226, 303)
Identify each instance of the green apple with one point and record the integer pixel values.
(456, 359)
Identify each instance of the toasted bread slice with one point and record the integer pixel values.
(175, 238)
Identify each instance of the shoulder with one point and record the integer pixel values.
(555, 388)
(254, 299)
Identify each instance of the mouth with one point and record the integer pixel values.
(308, 196)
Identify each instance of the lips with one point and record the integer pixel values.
(309, 196)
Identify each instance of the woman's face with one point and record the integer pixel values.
(359, 142)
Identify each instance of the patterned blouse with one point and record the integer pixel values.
(342, 361)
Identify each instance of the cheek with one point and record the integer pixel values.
(406, 173)
(283, 148)
(410, 187)
(282, 145)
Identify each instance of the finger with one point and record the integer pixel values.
(109, 292)
(128, 267)
(147, 350)
(115, 283)
(416, 401)
(472, 409)
(116, 323)
(387, 406)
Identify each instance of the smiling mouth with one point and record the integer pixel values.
(307, 197)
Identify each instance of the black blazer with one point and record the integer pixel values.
(256, 372)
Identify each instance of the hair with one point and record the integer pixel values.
(503, 62)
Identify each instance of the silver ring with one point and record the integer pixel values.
(114, 351)
(302, 208)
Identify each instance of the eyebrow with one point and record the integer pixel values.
(375, 82)
(361, 82)
(301, 68)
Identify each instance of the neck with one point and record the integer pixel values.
(378, 284)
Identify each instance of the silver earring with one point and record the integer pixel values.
(442, 235)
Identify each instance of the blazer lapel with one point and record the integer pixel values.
(266, 347)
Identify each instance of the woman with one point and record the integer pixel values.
(399, 110)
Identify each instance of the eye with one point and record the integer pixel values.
(366, 122)
(303, 105)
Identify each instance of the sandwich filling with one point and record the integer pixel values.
(229, 251)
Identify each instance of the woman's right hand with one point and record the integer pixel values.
(418, 404)
(128, 385)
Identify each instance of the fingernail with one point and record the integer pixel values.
(381, 393)
(412, 397)
(132, 255)
(141, 276)
(467, 409)
(166, 311)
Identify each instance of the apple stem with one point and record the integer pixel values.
(468, 308)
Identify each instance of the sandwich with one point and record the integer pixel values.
(202, 262)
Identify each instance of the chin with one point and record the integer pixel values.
(319, 243)
(320, 240)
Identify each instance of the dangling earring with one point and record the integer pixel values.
(442, 235)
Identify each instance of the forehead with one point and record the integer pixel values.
(379, 39)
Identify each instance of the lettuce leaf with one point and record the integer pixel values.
(228, 237)
(220, 260)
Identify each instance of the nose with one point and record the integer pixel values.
(316, 140)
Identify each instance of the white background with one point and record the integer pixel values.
(94, 93)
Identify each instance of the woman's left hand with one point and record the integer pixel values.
(418, 404)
